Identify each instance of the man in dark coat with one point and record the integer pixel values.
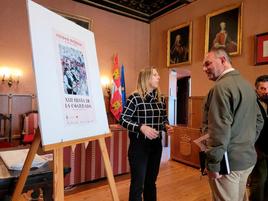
(259, 176)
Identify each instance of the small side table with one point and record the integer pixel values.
(38, 178)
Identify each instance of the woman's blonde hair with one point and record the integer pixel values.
(144, 82)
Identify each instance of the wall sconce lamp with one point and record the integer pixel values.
(10, 76)
(105, 82)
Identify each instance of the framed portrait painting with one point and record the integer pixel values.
(261, 49)
(81, 21)
(179, 45)
(223, 29)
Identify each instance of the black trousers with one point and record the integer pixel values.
(259, 180)
(144, 159)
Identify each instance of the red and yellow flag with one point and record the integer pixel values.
(116, 97)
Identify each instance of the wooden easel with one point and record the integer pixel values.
(58, 185)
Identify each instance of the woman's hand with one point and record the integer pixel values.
(149, 132)
(170, 129)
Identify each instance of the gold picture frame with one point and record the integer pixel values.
(224, 29)
(81, 21)
(179, 45)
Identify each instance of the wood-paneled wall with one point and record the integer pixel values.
(195, 111)
(183, 148)
(17, 104)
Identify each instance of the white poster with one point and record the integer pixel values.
(70, 98)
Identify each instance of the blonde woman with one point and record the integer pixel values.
(145, 118)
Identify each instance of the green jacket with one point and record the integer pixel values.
(233, 121)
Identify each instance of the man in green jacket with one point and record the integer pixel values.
(233, 122)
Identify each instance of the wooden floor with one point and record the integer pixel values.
(175, 182)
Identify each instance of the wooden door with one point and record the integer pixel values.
(196, 111)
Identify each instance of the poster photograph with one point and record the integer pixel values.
(223, 29)
(77, 101)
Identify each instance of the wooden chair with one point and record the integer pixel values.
(5, 127)
(29, 125)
